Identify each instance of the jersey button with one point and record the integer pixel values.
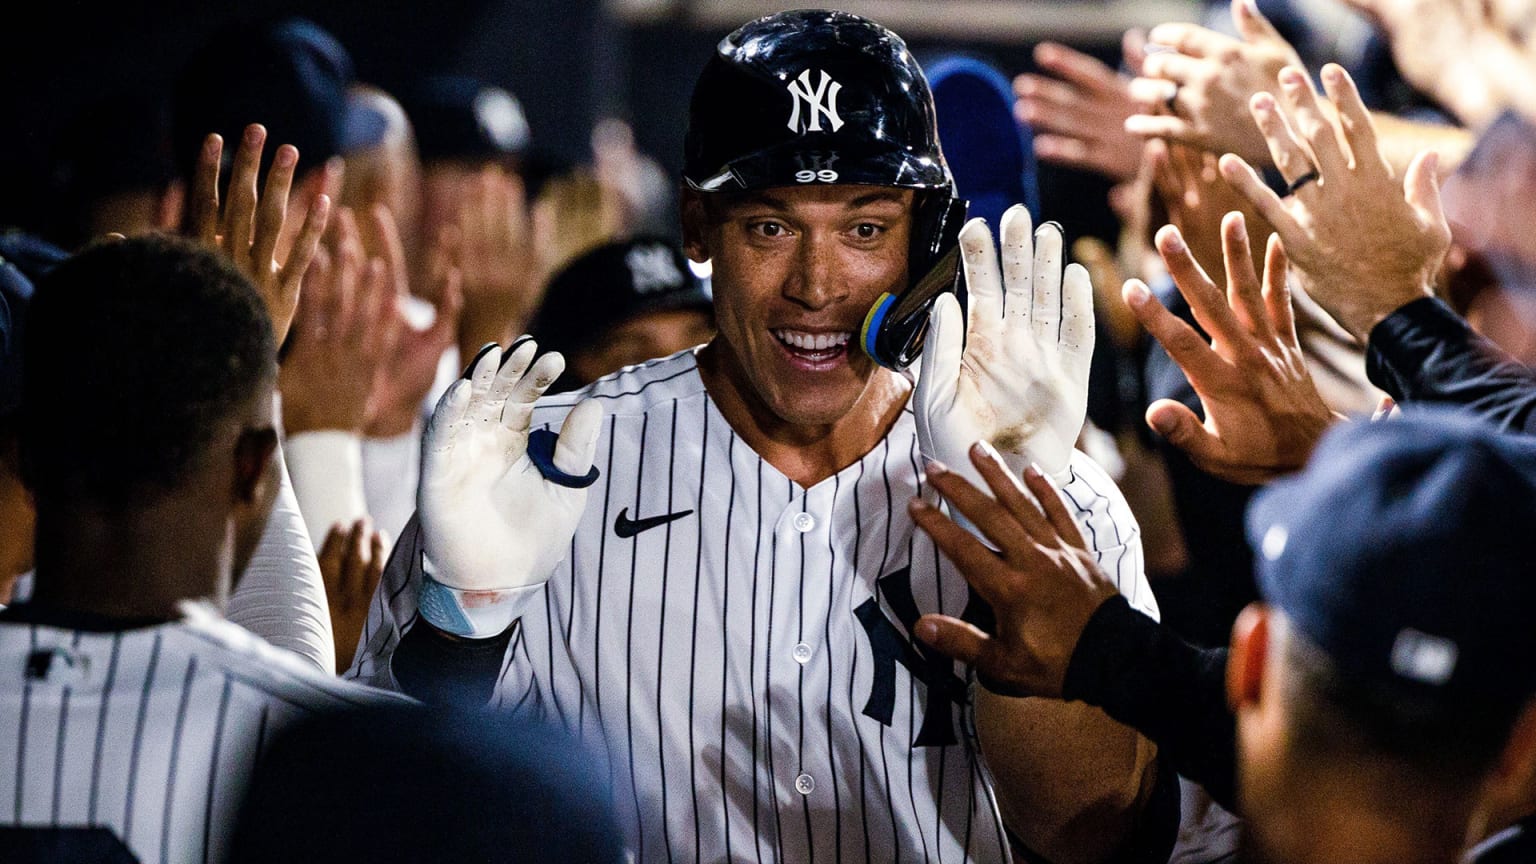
(802, 653)
(805, 784)
(804, 522)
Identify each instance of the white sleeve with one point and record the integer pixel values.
(1109, 527)
(326, 466)
(281, 595)
(391, 470)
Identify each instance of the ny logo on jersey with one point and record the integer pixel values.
(820, 100)
(652, 269)
(891, 646)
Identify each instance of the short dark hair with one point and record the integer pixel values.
(1445, 746)
(135, 351)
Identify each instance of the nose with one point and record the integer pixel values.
(817, 281)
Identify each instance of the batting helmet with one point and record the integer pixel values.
(820, 97)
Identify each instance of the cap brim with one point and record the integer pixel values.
(790, 165)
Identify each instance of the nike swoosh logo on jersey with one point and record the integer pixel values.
(626, 527)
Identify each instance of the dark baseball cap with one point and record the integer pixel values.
(990, 153)
(614, 283)
(1403, 552)
(291, 76)
(462, 118)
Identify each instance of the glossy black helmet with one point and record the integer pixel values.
(812, 96)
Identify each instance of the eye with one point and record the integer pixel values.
(867, 230)
(768, 228)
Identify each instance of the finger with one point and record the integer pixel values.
(1077, 323)
(1018, 254)
(1171, 66)
(1163, 126)
(577, 444)
(390, 248)
(508, 377)
(952, 637)
(1421, 188)
(273, 207)
(356, 548)
(1153, 92)
(1354, 121)
(1048, 100)
(980, 565)
(376, 558)
(1064, 150)
(1203, 366)
(1206, 301)
(1285, 148)
(1056, 513)
(1191, 39)
(1306, 115)
(331, 551)
(1244, 294)
(983, 285)
(1245, 181)
(483, 372)
(240, 213)
(1045, 295)
(447, 419)
(943, 348)
(530, 387)
(1277, 293)
(203, 221)
(1009, 493)
(314, 300)
(991, 518)
(374, 327)
(303, 252)
(1081, 69)
(450, 303)
(1252, 26)
(1179, 425)
(1133, 49)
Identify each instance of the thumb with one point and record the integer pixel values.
(1251, 24)
(939, 369)
(578, 437)
(951, 637)
(1421, 187)
(1175, 422)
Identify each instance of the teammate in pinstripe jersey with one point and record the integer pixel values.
(127, 705)
(728, 611)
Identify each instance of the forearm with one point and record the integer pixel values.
(1142, 674)
(327, 470)
(1426, 353)
(1070, 782)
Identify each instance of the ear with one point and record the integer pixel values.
(695, 225)
(1245, 663)
(253, 453)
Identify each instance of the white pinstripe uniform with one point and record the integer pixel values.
(149, 732)
(747, 663)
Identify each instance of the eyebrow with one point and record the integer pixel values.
(878, 196)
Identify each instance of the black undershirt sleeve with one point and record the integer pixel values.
(1143, 675)
(439, 669)
(1426, 353)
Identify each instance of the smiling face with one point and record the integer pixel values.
(795, 271)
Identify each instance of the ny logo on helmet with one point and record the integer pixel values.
(653, 269)
(820, 101)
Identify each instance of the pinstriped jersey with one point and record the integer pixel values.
(741, 648)
(150, 732)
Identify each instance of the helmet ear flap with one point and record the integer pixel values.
(895, 327)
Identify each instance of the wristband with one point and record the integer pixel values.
(478, 614)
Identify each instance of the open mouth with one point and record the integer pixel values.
(815, 349)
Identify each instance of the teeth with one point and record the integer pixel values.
(812, 341)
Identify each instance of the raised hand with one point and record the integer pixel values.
(1263, 416)
(346, 332)
(351, 562)
(1017, 376)
(250, 225)
(403, 380)
(1041, 583)
(1197, 93)
(1078, 112)
(495, 255)
(490, 520)
(1362, 242)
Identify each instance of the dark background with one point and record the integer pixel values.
(569, 62)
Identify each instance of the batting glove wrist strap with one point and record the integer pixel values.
(478, 614)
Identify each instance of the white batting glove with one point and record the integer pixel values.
(1017, 377)
(491, 522)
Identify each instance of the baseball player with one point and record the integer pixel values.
(132, 711)
(711, 574)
